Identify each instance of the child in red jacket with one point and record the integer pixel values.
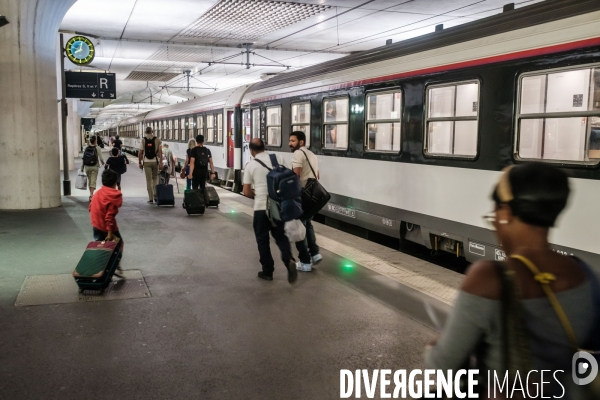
(104, 208)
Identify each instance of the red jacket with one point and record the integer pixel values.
(104, 207)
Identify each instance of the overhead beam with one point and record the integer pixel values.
(203, 46)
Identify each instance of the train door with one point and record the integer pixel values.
(230, 139)
(246, 137)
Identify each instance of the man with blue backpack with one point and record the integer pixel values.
(270, 178)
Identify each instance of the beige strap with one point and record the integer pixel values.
(544, 279)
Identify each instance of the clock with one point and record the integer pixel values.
(80, 50)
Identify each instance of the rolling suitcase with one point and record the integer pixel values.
(97, 266)
(211, 197)
(193, 201)
(164, 195)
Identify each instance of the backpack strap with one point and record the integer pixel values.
(544, 279)
(273, 158)
(311, 168)
(263, 164)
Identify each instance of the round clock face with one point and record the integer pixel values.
(80, 50)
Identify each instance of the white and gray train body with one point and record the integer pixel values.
(421, 129)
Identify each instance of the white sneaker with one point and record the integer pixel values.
(300, 266)
(317, 258)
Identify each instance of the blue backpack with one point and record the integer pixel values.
(285, 192)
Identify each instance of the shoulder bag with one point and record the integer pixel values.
(591, 390)
(314, 195)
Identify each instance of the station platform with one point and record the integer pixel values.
(192, 320)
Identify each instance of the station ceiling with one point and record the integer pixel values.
(150, 44)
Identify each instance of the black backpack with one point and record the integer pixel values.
(201, 154)
(150, 148)
(90, 156)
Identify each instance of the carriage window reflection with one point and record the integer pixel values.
(301, 119)
(210, 128)
(559, 116)
(274, 126)
(452, 120)
(383, 121)
(335, 113)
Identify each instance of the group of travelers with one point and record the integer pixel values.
(305, 165)
(532, 312)
(92, 159)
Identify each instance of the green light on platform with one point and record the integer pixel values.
(347, 267)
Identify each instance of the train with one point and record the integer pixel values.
(411, 137)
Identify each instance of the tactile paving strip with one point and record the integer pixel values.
(60, 289)
(427, 283)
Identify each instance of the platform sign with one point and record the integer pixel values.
(90, 85)
(88, 123)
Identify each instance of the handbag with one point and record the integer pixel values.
(178, 167)
(82, 181)
(314, 195)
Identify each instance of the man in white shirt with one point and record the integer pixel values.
(306, 166)
(255, 175)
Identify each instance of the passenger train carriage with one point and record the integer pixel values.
(411, 137)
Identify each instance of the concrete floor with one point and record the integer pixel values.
(211, 330)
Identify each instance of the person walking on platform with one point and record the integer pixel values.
(200, 160)
(150, 159)
(305, 164)
(92, 159)
(104, 208)
(186, 167)
(117, 163)
(536, 309)
(169, 160)
(255, 175)
(118, 143)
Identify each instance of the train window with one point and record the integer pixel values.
(301, 119)
(558, 116)
(191, 128)
(255, 123)
(199, 125)
(210, 128)
(452, 119)
(184, 129)
(274, 126)
(177, 130)
(384, 111)
(220, 128)
(336, 123)
(170, 122)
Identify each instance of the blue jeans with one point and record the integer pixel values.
(307, 247)
(188, 182)
(262, 226)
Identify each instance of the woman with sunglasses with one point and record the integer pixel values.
(503, 314)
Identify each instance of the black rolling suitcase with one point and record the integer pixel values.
(193, 201)
(211, 197)
(164, 195)
(97, 266)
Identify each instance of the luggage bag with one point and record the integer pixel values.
(216, 181)
(211, 197)
(164, 195)
(193, 201)
(97, 265)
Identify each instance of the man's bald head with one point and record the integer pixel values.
(257, 145)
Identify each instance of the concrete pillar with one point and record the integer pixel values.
(29, 153)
